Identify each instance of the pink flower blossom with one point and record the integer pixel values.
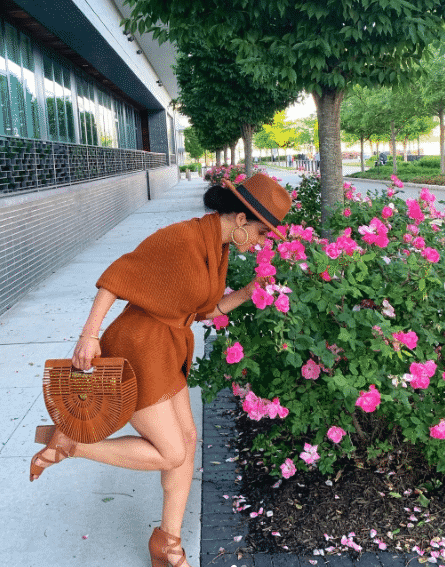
(310, 455)
(239, 391)
(288, 468)
(297, 230)
(261, 298)
(282, 303)
(375, 233)
(425, 195)
(408, 339)
(407, 237)
(239, 178)
(396, 181)
(435, 227)
(294, 194)
(347, 244)
(347, 212)
(431, 254)
(421, 374)
(413, 229)
(255, 407)
(265, 269)
(438, 431)
(234, 353)
(346, 185)
(414, 210)
(419, 243)
(369, 401)
(391, 192)
(311, 370)
(335, 434)
(220, 322)
(332, 250)
(274, 408)
(298, 250)
(387, 212)
(265, 255)
(325, 275)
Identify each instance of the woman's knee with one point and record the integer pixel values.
(174, 458)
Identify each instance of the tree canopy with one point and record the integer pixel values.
(321, 46)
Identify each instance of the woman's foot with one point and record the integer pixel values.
(165, 549)
(60, 447)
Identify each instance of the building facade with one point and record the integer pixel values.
(87, 133)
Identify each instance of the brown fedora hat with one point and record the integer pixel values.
(266, 198)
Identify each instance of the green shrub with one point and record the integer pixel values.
(364, 320)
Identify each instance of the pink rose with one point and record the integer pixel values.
(265, 256)
(396, 181)
(414, 210)
(347, 212)
(265, 269)
(408, 339)
(422, 373)
(419, 243)
(261, 298)
(425, 195)
(407, 237)
(335, 434)
(332, 250)
(311, 370)
(438, 431)
(274, 408)
(310, 455)
(288, 468)
(431, 254)
(387, 212)
(234, 353)
(282, 303)
(220, 322)
(369, 401)
(294, 194)
(325, 275)
(239, 178)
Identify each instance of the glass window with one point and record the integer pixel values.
(5, 110)
(107, 126)
(58, 99)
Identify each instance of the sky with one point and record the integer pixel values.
(302, 109)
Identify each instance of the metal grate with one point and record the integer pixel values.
(33, 165)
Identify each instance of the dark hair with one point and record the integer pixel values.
(223, 201)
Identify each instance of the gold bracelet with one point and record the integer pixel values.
(219, 309)
(89, 337)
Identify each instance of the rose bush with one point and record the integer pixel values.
(234, 173)
(346, 338)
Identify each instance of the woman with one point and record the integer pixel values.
(173, 277)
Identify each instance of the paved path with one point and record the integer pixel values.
(43, 523)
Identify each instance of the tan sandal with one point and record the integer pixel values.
(49, 435)
(159, 547)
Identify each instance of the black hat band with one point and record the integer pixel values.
(244, 192)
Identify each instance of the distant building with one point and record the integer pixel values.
(87, 133)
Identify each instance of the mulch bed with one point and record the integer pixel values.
(402, 499)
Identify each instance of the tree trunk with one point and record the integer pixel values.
(393, 148)
(226, 154)
(442, 141)
(331, 175)
(232, 153)
(218, 157)
(362, 153)
(247, 131)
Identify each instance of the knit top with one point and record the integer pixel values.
(175, 273)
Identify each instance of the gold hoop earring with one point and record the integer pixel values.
(245, 232)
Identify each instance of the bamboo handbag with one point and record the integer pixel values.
(89, 406)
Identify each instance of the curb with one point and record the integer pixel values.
(219, 524)
(405, 184)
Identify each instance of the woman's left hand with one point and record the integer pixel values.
(261, 281)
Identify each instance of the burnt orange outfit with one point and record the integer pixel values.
(173, 277)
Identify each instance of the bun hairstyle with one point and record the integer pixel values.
(224, 201)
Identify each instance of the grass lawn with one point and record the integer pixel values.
(426, 170)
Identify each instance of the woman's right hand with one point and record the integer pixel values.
(86, 349)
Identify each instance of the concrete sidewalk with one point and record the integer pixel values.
(45, 523)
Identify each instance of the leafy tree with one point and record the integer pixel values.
(221, 101)
(321, 46)
(192, 144)
(433, 94)
(282, 131)
(264, 140)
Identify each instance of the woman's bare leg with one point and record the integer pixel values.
(176, 482)
(160, 447)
